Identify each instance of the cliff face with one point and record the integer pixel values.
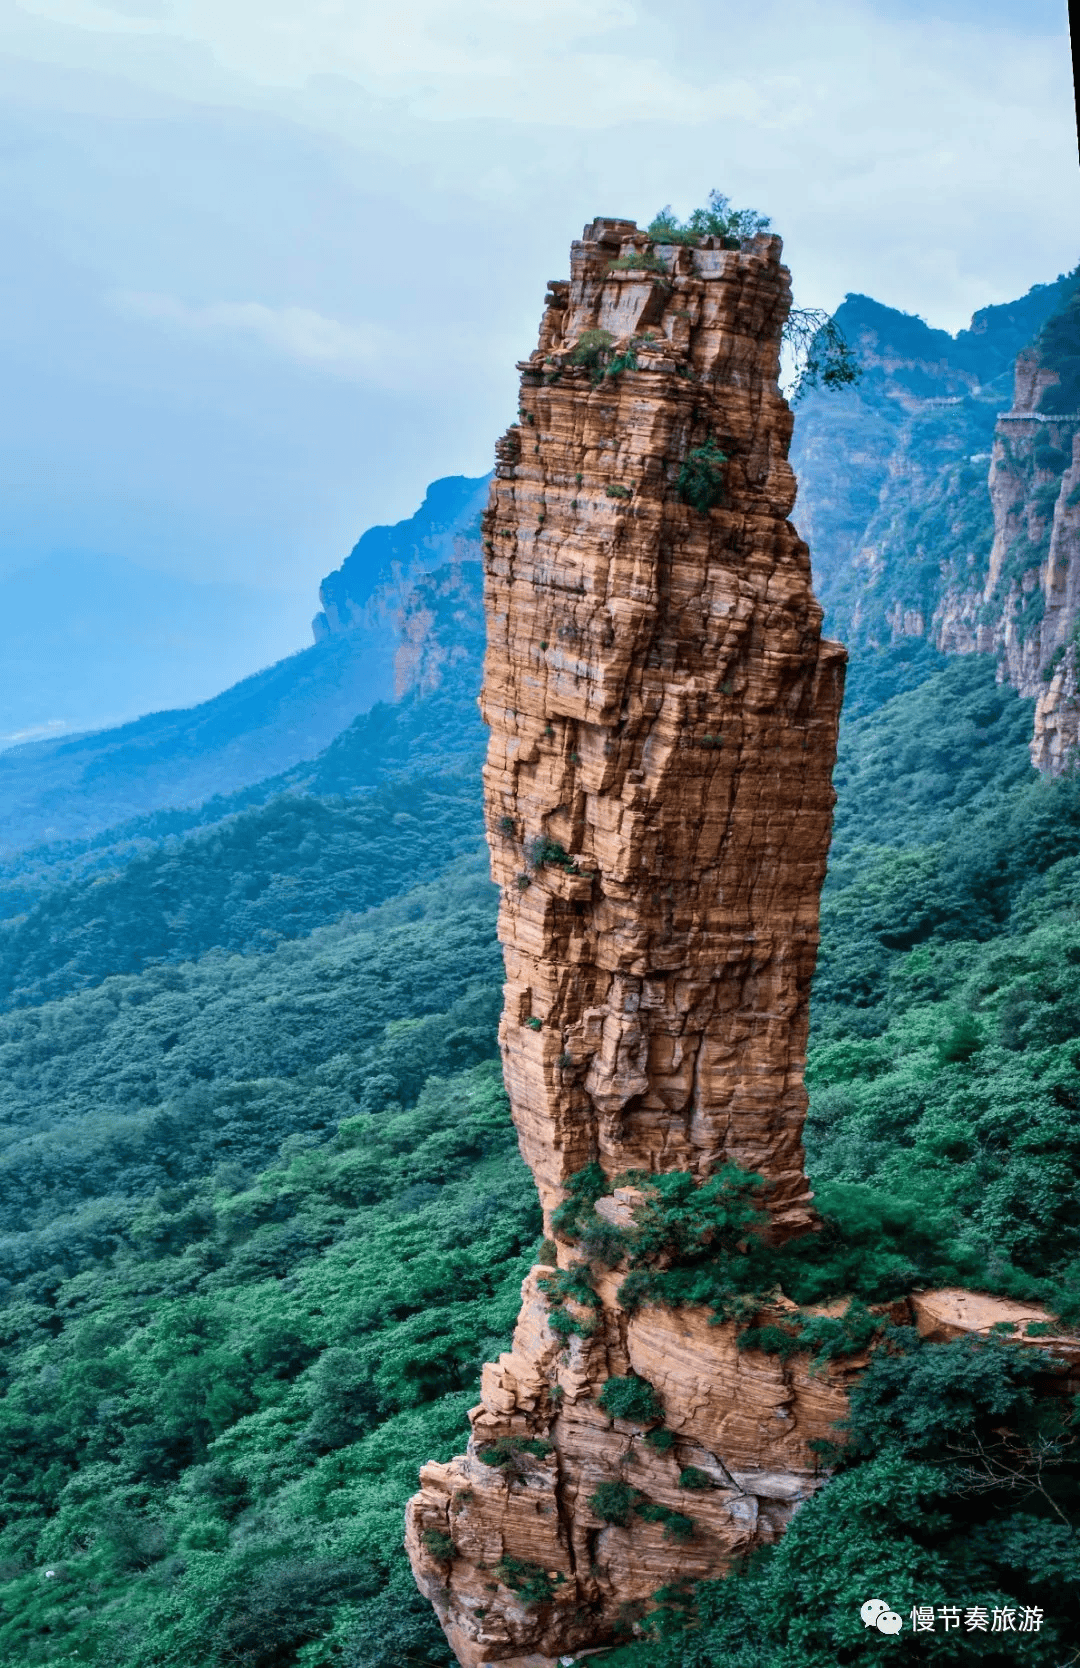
(936, 513)
(893, 473)
(1032, 593)
(663, 715)
(386, 562)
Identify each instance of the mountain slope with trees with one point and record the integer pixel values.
(252, 1263)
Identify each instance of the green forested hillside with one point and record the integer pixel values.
(262, 1215)
(163, 1078)
(945, 1059)
(206, 1446)
(244, 1292)
(271, 873)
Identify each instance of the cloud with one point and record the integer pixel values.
(924, 151)
(323, 226)
(298, 333)
(36, 732)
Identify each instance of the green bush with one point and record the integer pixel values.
(639, 262)
(591, 349)
(582, 1191)
(541, 850)
(570, 1283)
(530, 1582)
(823, 357)
(1044, 498)
(677, 1527)
(691, 1477)
(512, 1452)
(631, 1398)
(614, 1502)
(717, 219)
(701, 478)
(439, 1544)
(1051, 458)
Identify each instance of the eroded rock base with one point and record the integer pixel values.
(744, 1419)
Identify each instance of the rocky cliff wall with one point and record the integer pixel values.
(663, 714)
(406, 600)
(949, 517)
(1031, 604)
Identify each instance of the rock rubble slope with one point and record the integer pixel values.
(663, 714)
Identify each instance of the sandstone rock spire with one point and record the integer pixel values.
(663, 711)
(663, 715)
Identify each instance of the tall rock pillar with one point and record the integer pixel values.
(663, 715)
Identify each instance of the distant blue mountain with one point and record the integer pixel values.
(446, 525)
(73, 787)
(90, 640)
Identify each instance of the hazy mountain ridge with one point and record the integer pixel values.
(900, 535)
(380, 568)
(893, 474)
(90, 641)
(408, 633)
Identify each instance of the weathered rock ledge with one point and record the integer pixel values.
(745, 1419)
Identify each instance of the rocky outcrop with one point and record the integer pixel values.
(663, 714)
(384, 564)
(406, 600)
(936, 514)
(892, 474)
(743, 1420)
(1033, 588)
(439, 626)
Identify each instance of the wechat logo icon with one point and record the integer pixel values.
(876, 1613)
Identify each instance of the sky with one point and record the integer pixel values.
(269, 263)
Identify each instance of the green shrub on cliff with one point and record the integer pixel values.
(591, 349)
(701, 478)
(530, 1582)
(717, 219)
(614, 1503)
(631, 1398)
(639, 262)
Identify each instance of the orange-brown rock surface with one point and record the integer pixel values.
(663, 711)
(663, 715)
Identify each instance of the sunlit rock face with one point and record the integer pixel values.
(664, 711)
(663, 715)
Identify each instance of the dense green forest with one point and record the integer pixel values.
(262, 1215)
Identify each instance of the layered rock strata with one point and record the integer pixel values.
(663, 715)
(1027, 610)
(1035, 561)
(936, 514)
